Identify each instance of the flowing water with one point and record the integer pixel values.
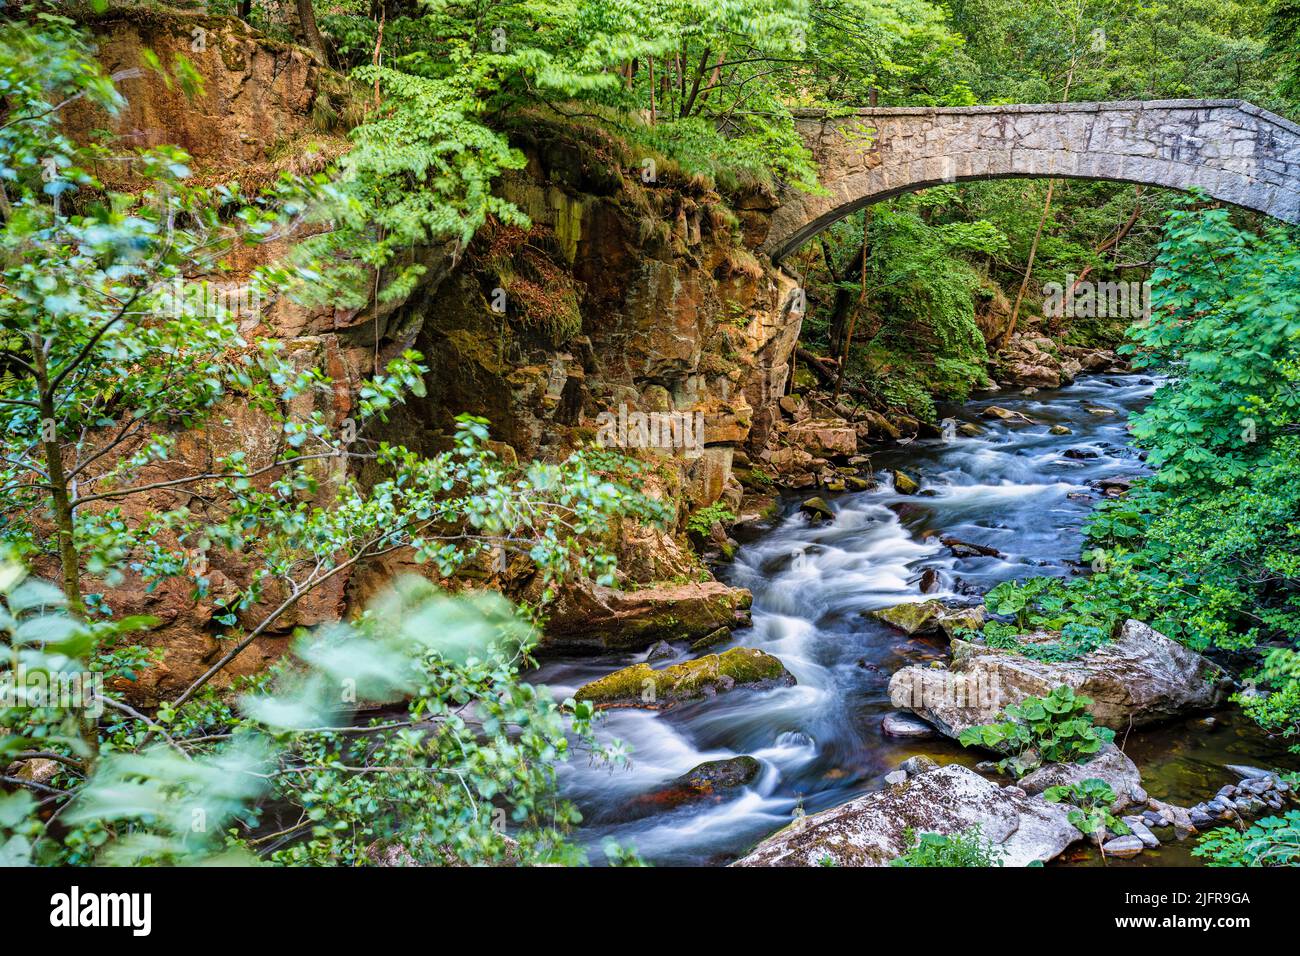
(819, 742)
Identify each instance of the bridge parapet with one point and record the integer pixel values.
(1230, 149)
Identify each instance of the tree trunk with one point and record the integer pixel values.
(1029, 270)
(651, 62)
(862, 305)
(307, 19)
(60, 501)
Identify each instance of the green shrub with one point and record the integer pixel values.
(1041, 730)
(1272, 841)
(702, 520)
(968, 848)
(1084, 618)
(1091, 802)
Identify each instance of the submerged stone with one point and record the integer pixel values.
(720, 774)
(1123, 847)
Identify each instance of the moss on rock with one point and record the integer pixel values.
(642, 686)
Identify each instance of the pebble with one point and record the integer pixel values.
(896, 777)
(1142, 832)
(1124, 847)
(1201, 818)
(918, 764)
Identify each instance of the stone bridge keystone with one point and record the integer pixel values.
(1229, 149)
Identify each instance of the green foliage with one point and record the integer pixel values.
(1091, 802)
(467, 777)
(1278, 709)
(1041, 730)
(109, 367)
(1271, 841)
(1215, 421)
(1284, 43)
(968, 848)
(703, 519)
(1084, 620)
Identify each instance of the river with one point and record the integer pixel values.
(819, 742)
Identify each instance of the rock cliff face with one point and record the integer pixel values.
(625, 304)
(624, 300)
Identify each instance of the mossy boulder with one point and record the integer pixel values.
(712, 639)
(913, 618)
(594, 619)
(904, 484)
(931, 618)
(817, 509)
(642, 686)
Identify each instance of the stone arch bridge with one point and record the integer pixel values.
(1231, 150)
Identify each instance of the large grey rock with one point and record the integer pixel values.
(1110, 764)
(591, 618)
(1140, 678)
(871, 830)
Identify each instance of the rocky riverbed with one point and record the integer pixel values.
(852, 592)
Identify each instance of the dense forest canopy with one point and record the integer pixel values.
(108, 385)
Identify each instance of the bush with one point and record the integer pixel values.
(1091, 802)
(1041, 730)
(1272, 841)
(968, 848)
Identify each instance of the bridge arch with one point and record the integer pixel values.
(1231, 150)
